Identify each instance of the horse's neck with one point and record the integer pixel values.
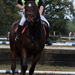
(35, 30)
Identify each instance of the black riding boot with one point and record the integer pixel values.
(48, 41)
(18, 34)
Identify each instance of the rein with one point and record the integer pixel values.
(37, 20)
(32, 38)
(38, 35)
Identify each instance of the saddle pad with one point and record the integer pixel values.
(23, 30)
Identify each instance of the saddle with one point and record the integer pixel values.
(44, 25)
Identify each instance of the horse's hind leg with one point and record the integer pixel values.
(34, 62)
(13, 60)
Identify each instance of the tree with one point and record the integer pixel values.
(8, 15)
(71, 25)
(56, 11)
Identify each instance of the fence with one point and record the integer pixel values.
(54, 38)
(62, 38)
(52, 55)
(40, 72)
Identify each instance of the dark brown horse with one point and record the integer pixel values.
(32, 39)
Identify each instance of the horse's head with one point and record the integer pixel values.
(31, 12)
(32, 18)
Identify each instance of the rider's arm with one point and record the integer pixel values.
(41, 6)
(19, 5)
(41, 9)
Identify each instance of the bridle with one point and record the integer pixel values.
(33, 22)
(30, 4)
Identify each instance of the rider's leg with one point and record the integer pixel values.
(48, 41)
(17, 38)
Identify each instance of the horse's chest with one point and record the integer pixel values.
(34, 47)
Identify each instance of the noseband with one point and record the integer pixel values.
(31, 21)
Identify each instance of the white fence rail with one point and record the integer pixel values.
(41, 72)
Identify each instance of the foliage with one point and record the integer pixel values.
(71, 25)
(8, 15)
(56, 12)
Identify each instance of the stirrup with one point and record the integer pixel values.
(17, 38)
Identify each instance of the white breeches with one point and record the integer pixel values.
(23, 19)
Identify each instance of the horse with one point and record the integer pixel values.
(32, 41)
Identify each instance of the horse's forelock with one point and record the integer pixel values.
(31, 9)
(30, 5)
(32, 2)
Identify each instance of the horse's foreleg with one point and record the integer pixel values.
(23, 66)
(13, 63)
(34, 62)
(23, 62)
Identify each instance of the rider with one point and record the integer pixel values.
(40, 4)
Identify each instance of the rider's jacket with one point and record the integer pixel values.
(38, 2)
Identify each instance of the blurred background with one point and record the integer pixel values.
(59, 13)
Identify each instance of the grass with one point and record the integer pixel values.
(41, 67)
